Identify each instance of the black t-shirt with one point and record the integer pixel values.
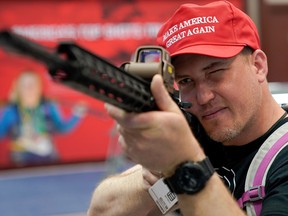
(232, 166)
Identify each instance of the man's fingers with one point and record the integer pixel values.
(143, 120)
(150, 177)
(129, 120)
(115, 112)
(162, 97)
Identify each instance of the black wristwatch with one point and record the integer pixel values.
(190, 177)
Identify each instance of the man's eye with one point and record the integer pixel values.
(184, 81)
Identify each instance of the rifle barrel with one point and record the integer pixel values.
(16, 43)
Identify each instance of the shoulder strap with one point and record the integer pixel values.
(258, 169)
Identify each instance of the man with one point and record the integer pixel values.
(222, 71)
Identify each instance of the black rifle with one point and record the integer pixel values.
(89, 73)
(86, 72)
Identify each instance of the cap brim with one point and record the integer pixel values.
(211, 50)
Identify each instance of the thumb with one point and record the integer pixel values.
(161, 95)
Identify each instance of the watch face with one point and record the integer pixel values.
(191, 179)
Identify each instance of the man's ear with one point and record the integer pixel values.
(259, 61)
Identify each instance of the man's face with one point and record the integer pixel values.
(225, 94)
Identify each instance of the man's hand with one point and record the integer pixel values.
(150, 178)
(159, 140)
(123, 195)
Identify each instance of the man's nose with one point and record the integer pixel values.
(204, 94)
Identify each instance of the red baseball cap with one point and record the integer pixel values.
(217, 29)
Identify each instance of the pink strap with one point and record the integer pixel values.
(264, 164)
(257, 192)
(253, 195)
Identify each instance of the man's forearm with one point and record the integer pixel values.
(122, 195)
(214, 199)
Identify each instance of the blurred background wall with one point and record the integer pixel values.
(274, 31)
